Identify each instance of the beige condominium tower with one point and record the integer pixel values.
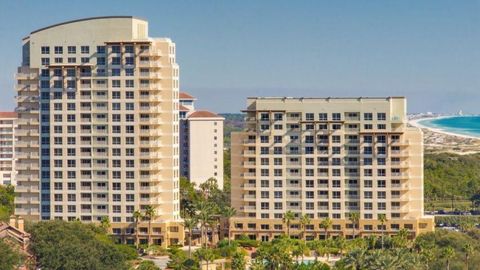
(327, 158)
(98, 126)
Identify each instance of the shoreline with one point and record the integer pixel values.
(416, 123)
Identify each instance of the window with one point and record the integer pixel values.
(45, 61)
(101, 61)
(129, 49)
(129, 83)
(115, 72)
(45, 50)
(129, 72)
(116, 49)
(381, 116)
(58, 50)
(367, 116)
(85, 49)
(72, 49)
(100, 49)
(129, 61)
(116, 61)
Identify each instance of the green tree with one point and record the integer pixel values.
(304, 221)
(10, 259)
(105, 224)
(190, 224)
(383, 219)
(137, 216)
(82, 246)
(469, 250)
(7, 196)
(228, 213)
(448, 254)
(204, 215)
(205, 254)
(150, 215)
(354, 218)
(288, 217)
(238, 261)
(326, 224)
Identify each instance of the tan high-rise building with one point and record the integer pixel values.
(98, 126)
(201, 143)
(327, 157)
(8, 123)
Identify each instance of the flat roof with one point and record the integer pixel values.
(87, 19)
(326, 98)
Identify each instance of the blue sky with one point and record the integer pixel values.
(428, 51)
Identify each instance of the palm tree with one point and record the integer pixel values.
(137, 215)
(204, 217)
(304, 221)
(190, 223)
(354, 218)
(213, 224)
(228, 213)
(383, 219)
(468, 249)
(150, 214)
(448, 253)
(287, 219)
(326, 224)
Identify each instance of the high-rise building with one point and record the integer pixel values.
(327, 158)
(201, 142)
(8, 123)
(98, 126)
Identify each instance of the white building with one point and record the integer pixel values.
(201, 143)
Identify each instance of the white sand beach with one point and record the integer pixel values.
(417, 123)
(438, 140)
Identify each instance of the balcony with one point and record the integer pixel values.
(26, 166)
(399, 153)
(249, 196)
(150, 98)
(249, 174)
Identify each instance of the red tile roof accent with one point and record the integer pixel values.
(184, 95)
(8, 115)
(204, 114)
(183, 108)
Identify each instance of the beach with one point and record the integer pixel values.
(437, 140)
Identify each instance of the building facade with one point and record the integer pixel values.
(98, 126)
(8, 123)
(327, 158)
(201, 143)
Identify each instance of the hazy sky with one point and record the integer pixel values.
(428, 51)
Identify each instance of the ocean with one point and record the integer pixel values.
(462, 125)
